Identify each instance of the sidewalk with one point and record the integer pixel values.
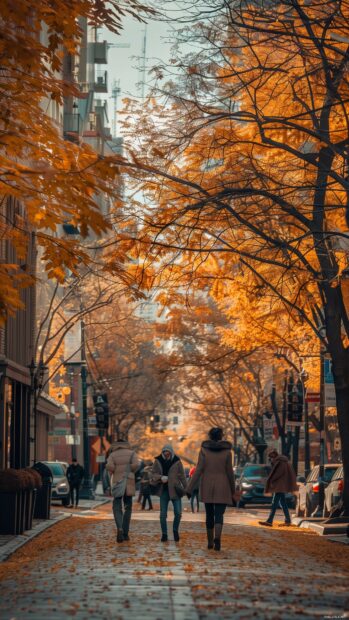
(10, 543)
(77, 569)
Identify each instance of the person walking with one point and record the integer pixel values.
(194, 492)
(281, 480)
(145, 486)
(168, 479)
(217, 485)
(122, 464)
(75, 476)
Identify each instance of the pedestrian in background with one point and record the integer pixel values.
(217, 486)
(194, 491)
(146, 487)
(75, 476)
(281, 480)
(122, 464)
(169, 481)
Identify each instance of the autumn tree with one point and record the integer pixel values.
(54, 180)
(249, 163)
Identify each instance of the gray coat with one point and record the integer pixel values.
(176, 476)
(215, 469)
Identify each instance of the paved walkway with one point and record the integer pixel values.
(76, 569)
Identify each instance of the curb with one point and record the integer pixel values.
(22, 539)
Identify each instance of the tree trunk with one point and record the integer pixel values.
(342, 394)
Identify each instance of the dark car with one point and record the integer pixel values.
(251, 485)
(308, 492)
(334, 490)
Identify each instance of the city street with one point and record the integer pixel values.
(76, 569)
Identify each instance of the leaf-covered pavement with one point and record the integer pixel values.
(76, 569)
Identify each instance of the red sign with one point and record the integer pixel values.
(312, 397)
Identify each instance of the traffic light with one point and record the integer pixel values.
(294, 401)
(101, 409)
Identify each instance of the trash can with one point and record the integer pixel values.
(43, 497)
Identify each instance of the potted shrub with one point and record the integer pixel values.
(11, 491)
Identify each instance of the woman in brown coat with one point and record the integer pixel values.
(217, 483)
(121, 459)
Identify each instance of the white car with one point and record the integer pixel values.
(60, 485)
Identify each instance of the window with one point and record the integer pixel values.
(57, 469)
(314, 474)
(339, 474)
(256, 471)
(329, 471)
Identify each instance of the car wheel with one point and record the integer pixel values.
(65, 501)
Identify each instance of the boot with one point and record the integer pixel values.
(119, 536)
(209, 538)
(217, 539)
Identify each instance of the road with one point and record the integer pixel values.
(76, 569)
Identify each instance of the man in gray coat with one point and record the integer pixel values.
(168, 478)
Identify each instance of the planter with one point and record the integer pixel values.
(43, 502)
(10, 513)
(29, 508)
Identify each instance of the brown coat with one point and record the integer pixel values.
(120, 455)
(176, 476)
(216, 471)
(282, 478)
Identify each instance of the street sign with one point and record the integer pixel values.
(100, 458)
(73, 440)
(58, 432)
(93, 432)
(312, 397)
(330, 392)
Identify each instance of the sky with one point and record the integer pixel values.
(124, 63)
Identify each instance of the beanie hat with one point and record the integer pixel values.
(168, 448)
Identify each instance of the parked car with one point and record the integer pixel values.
(334, 491)
(60, 485)
(251, 485)
(308, 491)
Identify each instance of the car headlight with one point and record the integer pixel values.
(62, 486)
(247, 485)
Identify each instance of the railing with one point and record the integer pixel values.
(101, 82)
(72, 123)
(100, 51)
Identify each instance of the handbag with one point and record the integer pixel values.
(118, 489)
(180, 490)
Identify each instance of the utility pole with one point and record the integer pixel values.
(322, 429)
(87, 490)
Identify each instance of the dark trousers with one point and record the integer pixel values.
(177, 509)
(214, 514)
(147, 498)
(74, 486)
(195, 494)
(122, 510)
(279, 499)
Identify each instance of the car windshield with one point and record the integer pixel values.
(329, 471)
(256, 471)
(57, 469)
